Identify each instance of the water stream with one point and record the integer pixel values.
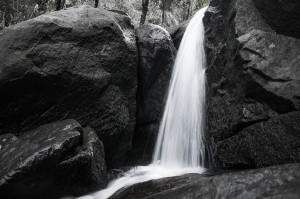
(180, 143)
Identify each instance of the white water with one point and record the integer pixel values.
(179, 142)
(179, 147)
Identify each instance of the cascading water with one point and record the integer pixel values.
(180, 141)
(180, 144)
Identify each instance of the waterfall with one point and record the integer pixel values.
(180, 138)
(180, 143)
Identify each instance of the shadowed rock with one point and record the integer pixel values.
(156, 59)
(282, 16)
(267, 143)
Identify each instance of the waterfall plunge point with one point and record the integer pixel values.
(180, 146)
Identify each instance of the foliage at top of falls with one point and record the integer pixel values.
(175, 11)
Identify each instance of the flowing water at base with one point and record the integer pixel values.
(140, 174)
(180, 144)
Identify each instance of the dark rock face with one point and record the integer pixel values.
(143, 143)
(264, 143)
(77, 63)
(280, 181)
(282, 16)
(52, 161)
(253, 77)
(156, 58)
(272, 65)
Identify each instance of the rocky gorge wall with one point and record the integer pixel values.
(254, 82)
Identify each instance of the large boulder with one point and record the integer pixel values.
(77, 63)
(156, 59)
(54, 160)
(253, 79)
(280, 182)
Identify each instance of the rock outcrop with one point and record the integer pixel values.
(54, 160)
(156, 59)
(281, 181)
(254, 84)
(77, 63)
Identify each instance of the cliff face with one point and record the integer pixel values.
(254, 82)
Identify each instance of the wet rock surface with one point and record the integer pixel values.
(281, 181)
(49, 162)
(77, 63)
(253, 80)
(156, 59)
